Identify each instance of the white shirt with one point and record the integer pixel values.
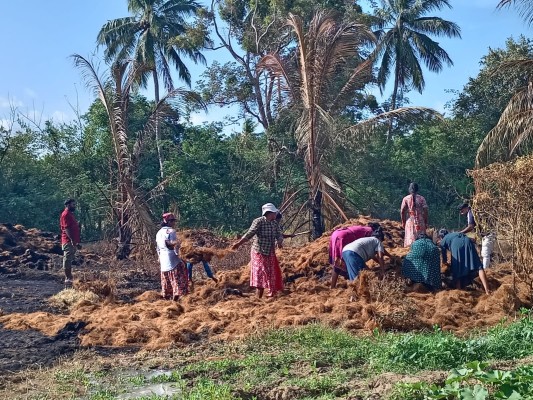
(168, 258)
(365, 247)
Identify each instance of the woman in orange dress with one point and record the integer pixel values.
(414, 213)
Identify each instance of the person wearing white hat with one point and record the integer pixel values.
(265, 272)
(174, 282)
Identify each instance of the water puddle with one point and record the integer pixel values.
(159, 389)
(152, 389)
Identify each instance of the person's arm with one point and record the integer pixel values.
(248, 235)
(381, 262)
(66, 222)
(470, 221)
(469, 228)
(280, 236)
(402, 213)
(69, 235)
(172, 241)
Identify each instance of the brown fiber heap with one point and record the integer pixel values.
(217, 311)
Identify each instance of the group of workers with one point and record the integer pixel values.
(350, 248)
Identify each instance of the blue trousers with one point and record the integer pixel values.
(207, 269)
(354, 264)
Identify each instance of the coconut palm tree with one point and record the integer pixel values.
(114, 91)
(525, 8)
(318, 80)
(148, 38)
(403, 32)
(513, 134)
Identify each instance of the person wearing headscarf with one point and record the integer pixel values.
(265, 272)
(414, 214)
(340, 238)
(465, 262)
(174, 281)
(422, 263)
(357, 253)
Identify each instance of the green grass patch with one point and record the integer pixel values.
(474, 381)
(314, 362)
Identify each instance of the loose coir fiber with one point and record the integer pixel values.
(211, 313)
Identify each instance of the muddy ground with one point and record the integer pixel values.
(31, 273)
(28, 291)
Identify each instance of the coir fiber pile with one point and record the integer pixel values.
(229, 310)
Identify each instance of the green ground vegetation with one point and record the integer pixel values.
(315, 362)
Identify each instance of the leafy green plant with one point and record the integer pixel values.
(477, 382)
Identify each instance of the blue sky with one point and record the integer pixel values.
(38, 36)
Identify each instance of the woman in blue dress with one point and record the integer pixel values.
(465, 261)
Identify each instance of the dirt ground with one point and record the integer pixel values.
(130, 313)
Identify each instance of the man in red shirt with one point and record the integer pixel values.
(70, 237)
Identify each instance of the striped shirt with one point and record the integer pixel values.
(265, 234)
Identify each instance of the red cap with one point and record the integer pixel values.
(167, 217)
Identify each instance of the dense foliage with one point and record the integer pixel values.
(216, 178)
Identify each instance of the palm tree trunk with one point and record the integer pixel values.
(393, 102)
(157, 134)
(318, 226)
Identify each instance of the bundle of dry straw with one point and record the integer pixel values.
(504, 204)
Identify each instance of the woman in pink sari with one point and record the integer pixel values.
(414, 213)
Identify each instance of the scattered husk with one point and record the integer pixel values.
(214, 311)
(202, 245)
(71, 298)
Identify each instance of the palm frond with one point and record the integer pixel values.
(366, 128)
(436, 26)
(334, 52)
(118, 37)
(163, 69)
(92, 79)
(277, 68)
(512, 133)
(526, 64)
(426, 6)
(172, 105)
(431, 53)
(359, 76)
(179, 8)
(409, 70)
(524, 7)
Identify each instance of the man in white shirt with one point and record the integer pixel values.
(358, 252)
(174, 281)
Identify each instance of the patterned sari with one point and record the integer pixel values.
(174, 283)
(265, 272)
(415, 224)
